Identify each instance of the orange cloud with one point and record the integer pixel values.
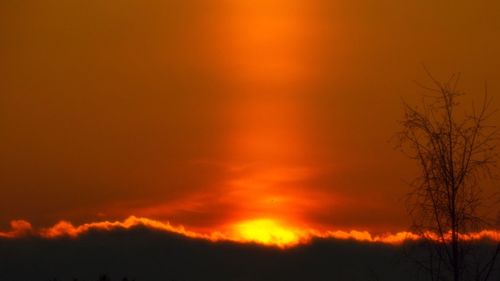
(19, 228)
(64, 228)
(267, 232)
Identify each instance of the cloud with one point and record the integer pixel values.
(142, 249)
(261, 231)
(19, 228)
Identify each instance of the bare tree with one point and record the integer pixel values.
(454, 151)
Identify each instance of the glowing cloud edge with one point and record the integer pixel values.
(267, 232)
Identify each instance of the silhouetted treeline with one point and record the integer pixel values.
(102, 277)
(141, 254)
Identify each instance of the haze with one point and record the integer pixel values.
(209, 113)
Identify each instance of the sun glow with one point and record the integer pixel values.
(268, 232)
(267, 65)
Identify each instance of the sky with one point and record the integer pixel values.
(214, 114)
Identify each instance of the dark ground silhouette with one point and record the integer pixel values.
(146, 255)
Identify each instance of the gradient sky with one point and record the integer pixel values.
(208, 112)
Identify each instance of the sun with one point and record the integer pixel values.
(268, 232)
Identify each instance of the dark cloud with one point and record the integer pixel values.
(151, 256)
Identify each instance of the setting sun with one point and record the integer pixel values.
(268, 232)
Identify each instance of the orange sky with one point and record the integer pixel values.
(214, 113)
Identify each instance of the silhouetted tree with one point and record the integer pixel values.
(454, 151)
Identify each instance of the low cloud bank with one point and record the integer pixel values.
(261, 231)
(152, 251)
